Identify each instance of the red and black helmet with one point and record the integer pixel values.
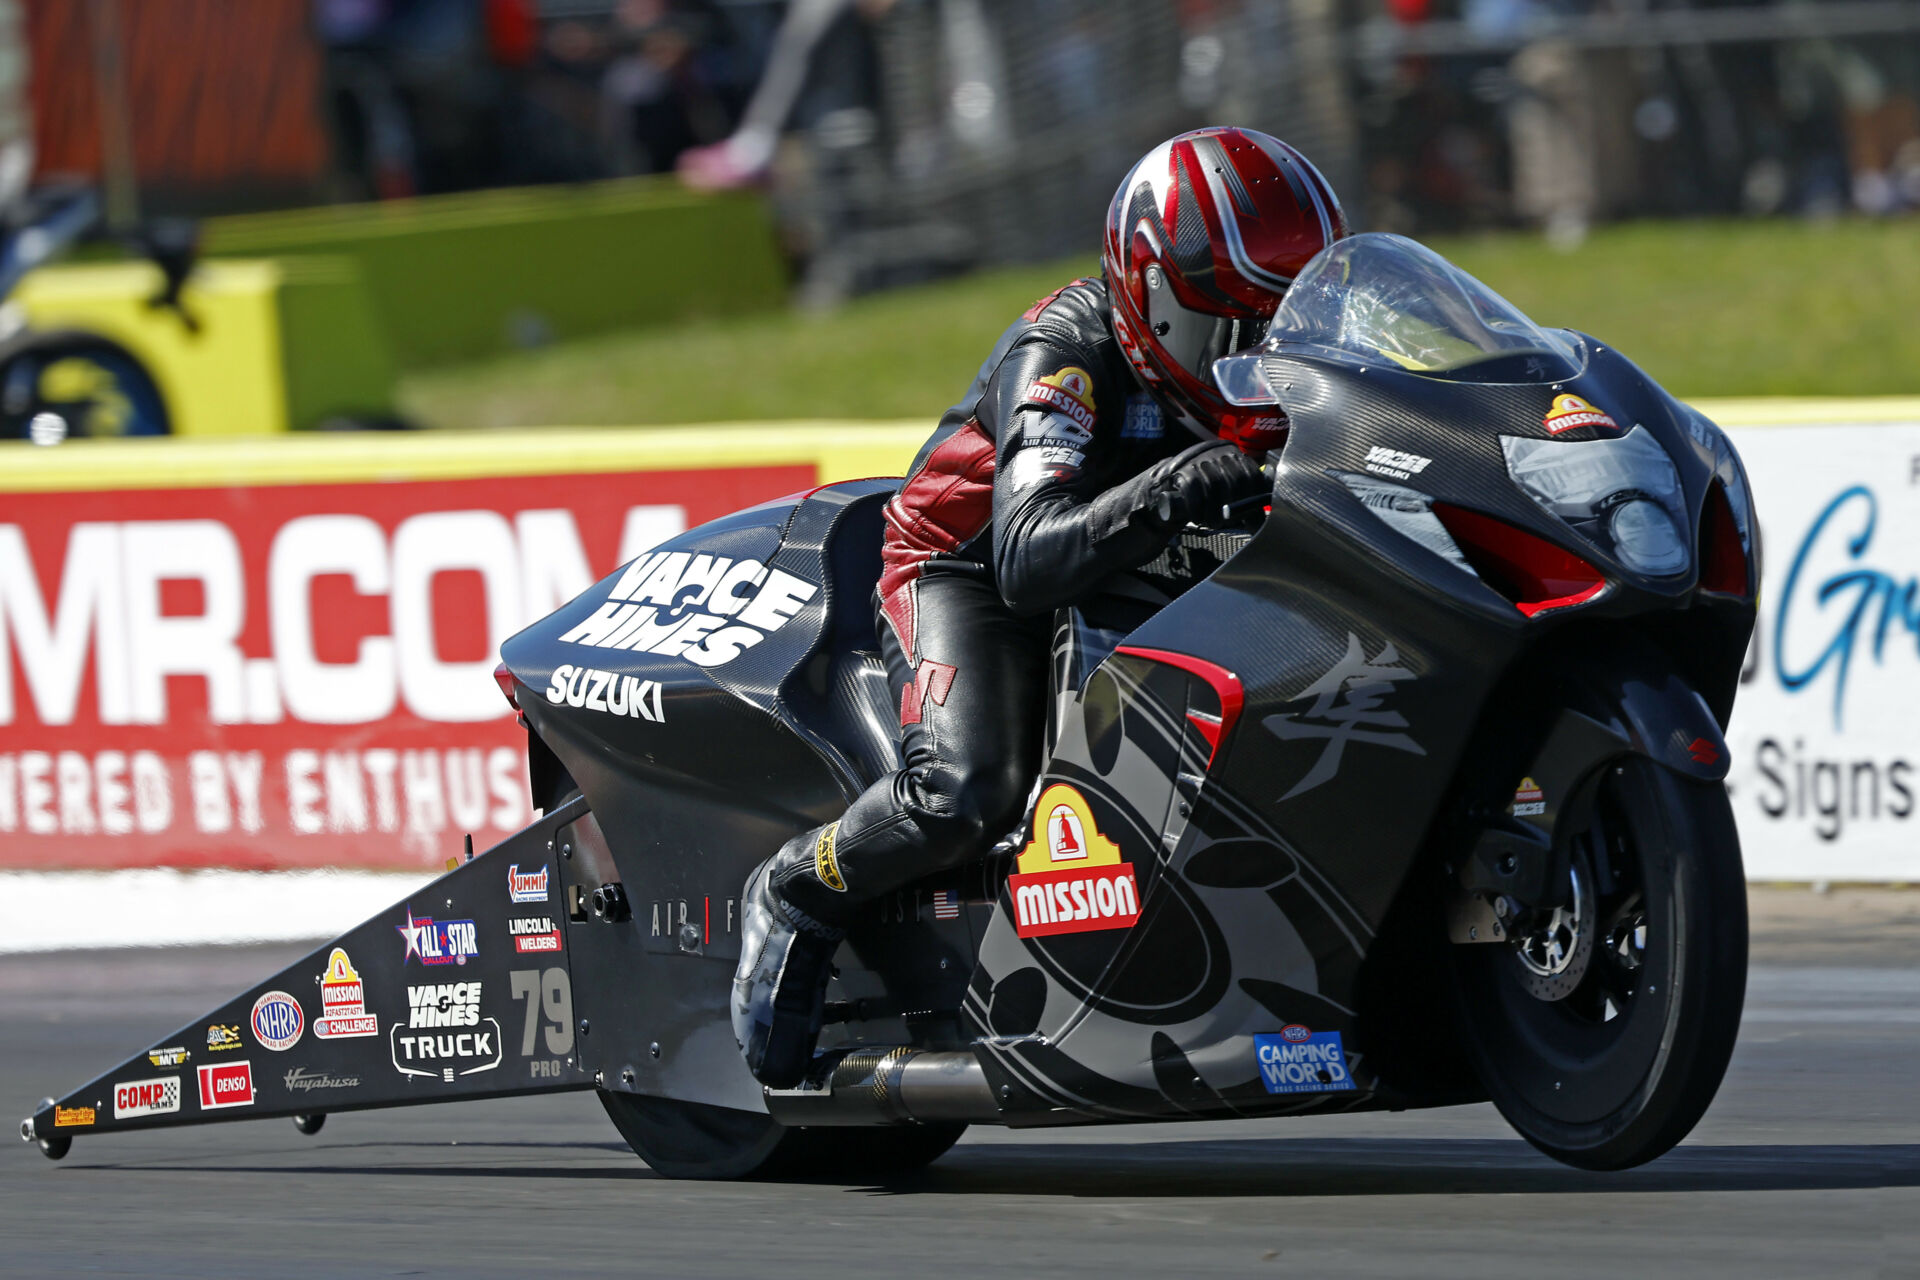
(1203, 237)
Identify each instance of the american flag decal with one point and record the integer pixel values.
(946, 905)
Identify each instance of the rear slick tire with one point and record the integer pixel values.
(1622, 1068)
(698, 1141)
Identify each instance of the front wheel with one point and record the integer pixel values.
(1602, 1029)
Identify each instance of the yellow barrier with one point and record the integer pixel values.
(837, 450)
(281, 344)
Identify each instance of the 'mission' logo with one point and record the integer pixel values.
(1071, 878)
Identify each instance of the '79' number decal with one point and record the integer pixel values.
(544, 992)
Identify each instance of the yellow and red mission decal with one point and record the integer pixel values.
(1071, 879)
(1070, 391)
(1570, 411)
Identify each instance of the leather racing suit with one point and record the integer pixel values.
(1054, 471)
(1018, 504)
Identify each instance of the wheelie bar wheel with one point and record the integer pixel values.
(54, 1148)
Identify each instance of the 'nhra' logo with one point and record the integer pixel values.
(277, 1021)
(526, 886)
(438, 942)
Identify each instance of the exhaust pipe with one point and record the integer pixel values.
(891, 1086)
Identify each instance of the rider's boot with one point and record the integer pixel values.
(793, 915)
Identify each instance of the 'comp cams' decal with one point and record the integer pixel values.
(135, 1098)
(707, 609)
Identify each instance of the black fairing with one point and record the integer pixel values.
(743, 755)
(1284, 756)
(1293, 879)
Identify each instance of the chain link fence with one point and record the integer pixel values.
(994, 130)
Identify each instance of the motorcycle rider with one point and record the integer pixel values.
(1071, 457)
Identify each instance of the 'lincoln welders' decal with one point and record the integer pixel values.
(1071, 878)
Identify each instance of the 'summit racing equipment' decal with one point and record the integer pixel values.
(707, 609)
(1071, 878)
(526, 886)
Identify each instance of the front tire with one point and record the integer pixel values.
(1609, 1068)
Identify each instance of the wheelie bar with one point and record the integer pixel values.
(461, 990)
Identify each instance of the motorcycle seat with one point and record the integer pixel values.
(862, 714)
(839, 695)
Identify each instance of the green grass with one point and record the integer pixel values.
(1709, 308)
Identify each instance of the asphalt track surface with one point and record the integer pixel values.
(1807, 1165)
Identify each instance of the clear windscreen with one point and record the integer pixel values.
(1388, 301)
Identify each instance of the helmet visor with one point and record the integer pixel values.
(1194, 339)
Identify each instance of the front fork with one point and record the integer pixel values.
(1519, 864)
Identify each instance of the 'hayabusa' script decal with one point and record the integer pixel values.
(1346, 708)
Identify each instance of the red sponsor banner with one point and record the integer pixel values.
(226, 1084)
(295, 675)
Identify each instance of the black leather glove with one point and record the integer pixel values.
(1190, 486)
(1205, 479)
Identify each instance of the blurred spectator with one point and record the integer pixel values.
(667, 87)
(744, 157)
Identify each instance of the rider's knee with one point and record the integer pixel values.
(978, 804)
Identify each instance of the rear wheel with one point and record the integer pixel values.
(681, 1139)
(1602, 1029)
(694, 1140)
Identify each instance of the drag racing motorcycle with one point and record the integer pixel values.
(1411, 797)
